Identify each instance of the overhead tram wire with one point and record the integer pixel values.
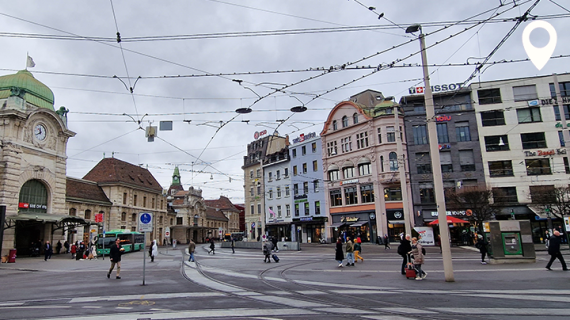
(120, 136)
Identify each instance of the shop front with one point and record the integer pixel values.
(396, 225)
(312, 228)
(280, 229)
(353, 225)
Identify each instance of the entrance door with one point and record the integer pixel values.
(27, 235)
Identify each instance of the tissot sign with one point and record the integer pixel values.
(437, 88)
(304, 137)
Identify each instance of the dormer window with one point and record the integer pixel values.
(344, 121)
(335, 126)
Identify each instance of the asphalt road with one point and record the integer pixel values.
(305, 284)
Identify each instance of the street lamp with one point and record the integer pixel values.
(434, 154)
(549, 219)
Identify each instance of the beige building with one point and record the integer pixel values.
(190, 212)
(231, 214)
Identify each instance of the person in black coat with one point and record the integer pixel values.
(48, 250)
(482, 246)
(554, 251)
(339, 254)
(403, 249)
(115, 254)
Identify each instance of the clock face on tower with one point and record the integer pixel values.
(40, 132)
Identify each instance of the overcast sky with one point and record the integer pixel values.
(80, 70)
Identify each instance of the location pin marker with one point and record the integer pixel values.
(539, 56)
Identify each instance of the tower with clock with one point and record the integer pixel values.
(33, 142)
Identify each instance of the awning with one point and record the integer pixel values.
(359, 224)
(337, 224)
(46, 217)
(539, 212)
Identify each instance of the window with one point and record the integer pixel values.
(152, 200)
(278, 211)
(566, 165)
(420, 109)
(382, 163)
(252, 210)
(466, 160)
(442, 135)
(346, 144)
(303, 150)
(306, 187)
(542, 193)
(462, 131)
(251, 191)
(529, 115)
(258, 189)
(423, 157)
(390, 134)
(288, 210)
(355, 118)
(286, 172)
(162, 205)
(564, 89)
(489, 96)
(344, 121)
(504, 194)
(525, 93)
(566, 109)
(314, 147)
(124, 198)
(258, 208)
(379, 135)
(133, 228)
(501, 168)
(333, 175)
(393, 158)
(296, 189)
(366, 193)
(364, 169)
(315, 166)
(135, 200)
(362, 140)
(133, 217)
(294, 152)
(335, 126)
(348, 172)
(270, 193)
(88, 214)
(278, 175)
(251, 174)
(294, 170)
(317, 207)
(278, 192)
(350, 195)
(335, 198)
(287, 191)
(124, 216)
(304, 168)
(561, 138)
(392, 194)
(271, 210)
(497, 143)
(426, 193)
(535, 167)
(445, 160)
(331, 148)
(424, 168)
(179, 221)
(492, 118)
(533, 140)
(307, 209)
(270, 176)
(420, 134)
(296, 209)
(258, 173)
(144, 202)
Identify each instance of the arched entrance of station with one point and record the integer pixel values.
(33, 198)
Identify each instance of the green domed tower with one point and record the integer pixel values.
(21, 88)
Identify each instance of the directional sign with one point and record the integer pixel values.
(145, 222)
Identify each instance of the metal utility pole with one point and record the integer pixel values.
(402, 170)
(435, 160)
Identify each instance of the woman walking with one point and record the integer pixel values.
(418, 258)
(357, 250)
(339, 254)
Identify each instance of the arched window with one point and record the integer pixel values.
(344, 121)
(33, 197)
(393, 157)
(335, 126)
(171, 221)
(355, 118)
(88, 214)
(72, 212)
(133, 217)
(160, 220)
(124, 216)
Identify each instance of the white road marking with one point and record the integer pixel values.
(520, 297)
(345, 310)
(146, 296)
(405, 310)
(510, 311)
(289, 301)
(198, 278)
(387, 317)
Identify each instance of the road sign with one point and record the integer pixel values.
(145, 222)
(167, 232)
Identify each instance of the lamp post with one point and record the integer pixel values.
(436, 165)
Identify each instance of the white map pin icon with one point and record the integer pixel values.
(539, 56)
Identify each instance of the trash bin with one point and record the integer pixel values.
(12, 256)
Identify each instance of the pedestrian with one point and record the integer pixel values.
(233, 245)
(153, 250)
(73, 250)
(418, 254)
(266, 251)
(174, 243)
(94, 252)
(274, 240)
(386, 242)
(358, 250)
(191, 249)
(403, 249)
(339, 254)
(349, 247)
(212, 247)
(482, 246)
(554, 250)
(48, 250)
(66, 246)
(115, 254)
(58, 247)
(80, 251)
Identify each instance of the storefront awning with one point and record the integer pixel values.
(61, 221)
(277, 224)
(337, 224)
(359, 224)
(539, 212)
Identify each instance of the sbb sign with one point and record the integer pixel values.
(437, 88)
(258, 134)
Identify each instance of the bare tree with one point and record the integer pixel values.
(478, 199)
(555, 200)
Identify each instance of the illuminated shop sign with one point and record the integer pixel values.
(348, 182)
(452, 213)
(24, 205)
(553, 152)
(348, 219)
(442, 118)
(304, 137)
(437, 88)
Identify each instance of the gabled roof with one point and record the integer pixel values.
(215, 214)
(85, 190)
(222, 204)
(115, 171)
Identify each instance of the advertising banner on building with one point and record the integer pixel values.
(426, 236)
(567, 223)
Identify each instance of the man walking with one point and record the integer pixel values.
(48, 250)
(386, 242)
(554, 251)
(274, 240)
(349, 252)
(403, 249)
(115, 255)
(191, 249)
(233, 245)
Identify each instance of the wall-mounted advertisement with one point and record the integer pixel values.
(426, 236)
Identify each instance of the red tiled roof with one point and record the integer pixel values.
(213, 214)
(85, 190)
(223, 204)
(112, 170)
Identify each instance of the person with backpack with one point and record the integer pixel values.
(403, 249)
(418, 253)
(482, 246)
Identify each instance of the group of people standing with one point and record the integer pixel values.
(353, 251)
